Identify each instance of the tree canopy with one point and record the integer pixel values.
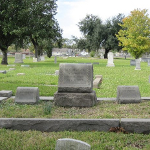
(98, 34)
(135, 35)
(29, 19)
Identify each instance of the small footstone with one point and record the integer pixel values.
(71, 144)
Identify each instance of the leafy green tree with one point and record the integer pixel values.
(110, 41)
(28, 18)
(92, 28)
(135, 35)
(9, 19)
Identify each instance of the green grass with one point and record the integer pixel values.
(41, 75)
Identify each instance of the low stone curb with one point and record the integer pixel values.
(130, 125)
(136, 125)
(3, 98)
(55, 125)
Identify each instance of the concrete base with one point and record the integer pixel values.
(75, 99)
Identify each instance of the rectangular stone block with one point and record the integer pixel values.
(75, 99)
(75, 78)
(27, 95)
(5, 93)
(136, 125)
(128, 94)
(132, 62)
(18, 58)
(57, 125)
(71, 144)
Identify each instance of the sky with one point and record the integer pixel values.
(71, 12)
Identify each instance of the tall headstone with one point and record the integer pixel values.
(18, 58)
(71, 144)
(110, 62)
(137, 64)
(75, 86)
(24, 56)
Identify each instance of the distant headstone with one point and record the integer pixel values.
(71, 144)
(27, 95)
(75, 86)
(128, 94)
(25, 65)
(57, 72)
(149, 62)
(5, 93)
(23, 56)
(42, 58)
(36, 59)
(18, 58)
(101, 56)
(110, 62)
(132, 62)
(10, 69)
(20, 74)
(3, 71)
(137, 64)
(10, 65)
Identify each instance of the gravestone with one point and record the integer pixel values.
(23, 56)
(3, 71)
(27, 95)
(71, 144)
(57, 72)
(5, 93)
(10, 69)
(20, 74)
(25, 65)
(36, 59)
(18, 58)
(42, 58)
(149, 62)
(132, 62)
(137, 64)
(128, 94)
(75, 86)
(110, 62)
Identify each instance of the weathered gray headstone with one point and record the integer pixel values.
(18, 58)
(42, 58)
(27, 95)
(71, 144)
(75, 86)
(110, 62)
(132, 62)
(36, 59)
(128, 94)
(5, 93)
(25, 65)
(11, 69)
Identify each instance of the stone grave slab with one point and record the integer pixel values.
(75, 78)
(3, 98)
(3, 71)
(10, 69)
(20, 74)
(128, 94)
(25, 65)
(71, 144)
(5, 93)
(18, 58)
(27, 95)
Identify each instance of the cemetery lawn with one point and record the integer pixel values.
(42, 75)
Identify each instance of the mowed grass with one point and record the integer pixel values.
(41, 75)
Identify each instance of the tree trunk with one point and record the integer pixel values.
(106, 52)
(4, 59)
(35, 44)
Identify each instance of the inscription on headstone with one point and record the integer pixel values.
(75, 78)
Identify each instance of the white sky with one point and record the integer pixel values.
(70, 12)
